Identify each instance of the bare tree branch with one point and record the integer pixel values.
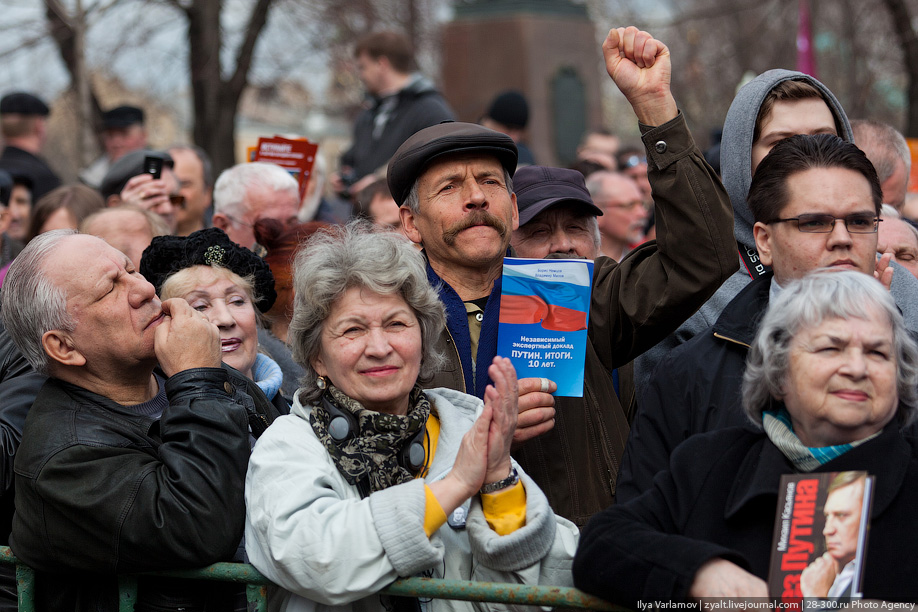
(23, 45)
(61, 27)
(246, 50)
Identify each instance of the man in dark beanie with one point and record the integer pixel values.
(509, 114)
(123, 131)
(23, 123)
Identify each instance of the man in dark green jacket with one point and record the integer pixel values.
(454, 184)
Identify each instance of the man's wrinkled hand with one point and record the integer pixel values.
(537, 409)
(640, 66)
(144, 191)
(186, 339)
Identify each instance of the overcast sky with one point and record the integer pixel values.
(143, 43)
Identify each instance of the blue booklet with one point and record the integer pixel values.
(544, 313)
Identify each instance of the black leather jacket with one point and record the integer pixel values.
(19, 384)
(104, 490)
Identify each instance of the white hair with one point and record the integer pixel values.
(888, 211)
(806, 303)
(234, 183)
(883, 144)
(31, 303)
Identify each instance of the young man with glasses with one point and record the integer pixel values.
(773, 106)
(816, 204)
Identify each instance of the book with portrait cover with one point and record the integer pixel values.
(544, 311)
(820, 536)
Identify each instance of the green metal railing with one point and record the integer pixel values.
(256, 588)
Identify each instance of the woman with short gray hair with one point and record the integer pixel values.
(358, 256)
(825, 295)
(831, 381)
(372, 477)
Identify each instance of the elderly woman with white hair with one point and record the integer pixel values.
(832, 380)
(371, 477)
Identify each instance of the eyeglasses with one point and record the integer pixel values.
(631, 161)
(814, 223)
(177, 200)
(626, 206)
(238, 221)
(287, 221)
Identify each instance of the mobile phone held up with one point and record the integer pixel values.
(153, 165)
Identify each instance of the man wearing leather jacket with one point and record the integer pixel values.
(134, 453)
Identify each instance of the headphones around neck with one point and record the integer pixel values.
(342, 426)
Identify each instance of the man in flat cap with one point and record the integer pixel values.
(23, 123)
(123, 131)
(128, 182)
(453, 182)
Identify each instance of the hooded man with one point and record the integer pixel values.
(690, 382)
(773, 106)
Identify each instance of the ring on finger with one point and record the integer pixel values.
(545, 385)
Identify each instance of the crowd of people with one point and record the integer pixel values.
(197, 369)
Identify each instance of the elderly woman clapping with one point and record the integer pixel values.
(370, 477)
(832, 379)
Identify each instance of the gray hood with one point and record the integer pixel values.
(736, 146)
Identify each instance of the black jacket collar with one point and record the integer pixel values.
(887, 457)
(740, 319)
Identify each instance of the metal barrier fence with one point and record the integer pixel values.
(256, 588)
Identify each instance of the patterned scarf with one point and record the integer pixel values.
(780, 430)
(372, 454)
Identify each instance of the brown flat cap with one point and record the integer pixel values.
(447, 138)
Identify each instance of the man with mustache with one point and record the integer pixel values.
(454, 184)
(134, 453)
